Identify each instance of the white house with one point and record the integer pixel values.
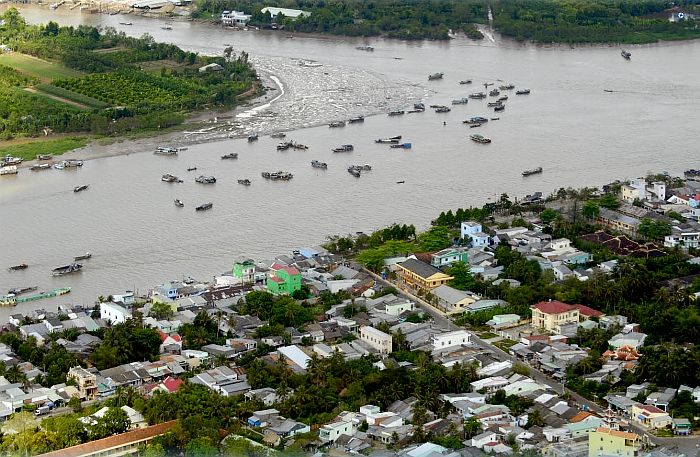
(473, 231)
(481, 440)
(451, 339)
(235, 18)
(333, 430)
(114, 313)
(376, 338)
(287, 12)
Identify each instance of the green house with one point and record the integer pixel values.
(283, 280)
(448, 256)
(244, 270)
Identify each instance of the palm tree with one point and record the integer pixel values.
(219, 315)
(15, 375)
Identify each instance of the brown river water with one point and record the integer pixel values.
(580, 134)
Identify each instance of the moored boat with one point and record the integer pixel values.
(492, 104)
(278, 135)
(9, 160)
(44, 157)
(277, 175)
(191, 168)
(443, 109)
(625, 54)
(85, 256)
(465, 81)
(205, 179)
(22, 290)
(252, 137)
(460, 101)
(344, 148)
(21, 266)
(476, 120)
(170, 178)
(179, 203)
(534, 171)
(245, 182)
(365, 47)
(337, 124)
(494, 92)
(354, 120)
(502, 98)
(499, 108)
(401, 146)
(522, 92)
(204, 206)
(166, 151)
(317, 164)
(397, 112)
(232, 155)
(80, 188)
(507, 87)
(8, 170)
(477, 95)
(435, 76)
(390, 140)
(40, 166)
(354, 171)
(480, 139)
(66, 269)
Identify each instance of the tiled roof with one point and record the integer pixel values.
(277, 280)
(172, 384)
(618, 433)
(553, 307)
(291, 271)
(112, 441)
(588, 311)
(583, 415)
(419, 268)
(651, 409)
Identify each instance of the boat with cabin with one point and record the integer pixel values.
(231, 155)
(9, 160)
(167, 27)
(179, 203)
(401, 146)
(365, 47)
(502, 98)
(21, 290)
(390, 140)
(480, 139)
(507, 87)
(355, 120)
(499, 108)
(494, 92)
(534, 171)
(8, 170)
(477, 95)
(166, 151)
(67, 269)
(278, 135)
(460, 101)
(443, 109)
(126, 23)
(40, 166)
(85, 256)
(492, 104)
(465, 81)
(277, 175)
(252, 137)
(522, 92)
(44, 157)
(435, 76)
(475, 120)
(204, 207)
(21, 266)
(626, 54)
(336, 124)
(354, 171)
(170, 178)
(397, 112)
(245, 182)
(317, 164)
(205, 179)
(344, 148)
(80, 188)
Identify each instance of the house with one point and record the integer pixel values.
(684, 236)
(211, 67)
(286, 12)
(85, 381)
(283, 280)
(583, 423)
(500, 321)
(604, 441)
(474, 233)
(650, 416)
(330, 432)
(681, 426)
(295, 355)
(633, 340)
(448, 256)
(114, 313)
(129, 443)
(244, 270)
(235, 18)
(637, 189)
(452, 300)
(421, 275)
(552, 315)
(135, 418)
(452, 339)
(617, 221)
(661, 398)
(377, 339)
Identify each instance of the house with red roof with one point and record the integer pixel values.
(170, 344)
(283, 279)
(552, 315)
(650, 416)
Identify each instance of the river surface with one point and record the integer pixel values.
(578, 133)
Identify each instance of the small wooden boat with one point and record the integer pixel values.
(337, 124)
(278, 135)
(41, 166)
(21, 266)
(400, 182)
(465, 81)
(245, 182)
(179, 203)
(354, 120)
(204, 206)
(253, 137)
(192, 169)
(80, 188)
(232, 155)
(85, 256)
(435, 76)
(390, 140)
(44, 157)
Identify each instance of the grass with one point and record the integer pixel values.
(32, 148)
(70, 95)
(154, 66)
(504, 344)
(42, 69)
(487, 335)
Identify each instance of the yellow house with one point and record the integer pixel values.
(551, 315)
(650, 416)
(604, 441)
(421, 275)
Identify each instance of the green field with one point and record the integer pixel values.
(42, 69)
(29, 151)
(70, 95)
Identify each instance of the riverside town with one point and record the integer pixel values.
(237, 228)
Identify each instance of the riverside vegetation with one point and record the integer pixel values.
(543, 21)
(81, 80)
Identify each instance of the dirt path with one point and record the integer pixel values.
(57, 98)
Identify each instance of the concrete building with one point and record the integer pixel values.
(235, 18)
(114, 313)
(377, 339)
(421, 275)
(451, 339)
(85, 381)
(553, 315)
(607, 442)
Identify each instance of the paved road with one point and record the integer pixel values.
(690, 446)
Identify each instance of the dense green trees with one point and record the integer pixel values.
(126, 342)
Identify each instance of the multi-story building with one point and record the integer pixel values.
(283, 280)
(606, 442)
(85, 381)
(552, 315)
(421, 275)
(244, 270)
(376, 338)
(448, 256)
